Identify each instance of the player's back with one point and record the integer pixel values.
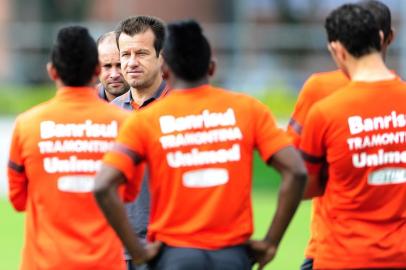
(62, 142)
(364, 214)
(199, 145)
(316, 88)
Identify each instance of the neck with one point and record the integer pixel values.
(59, 83)
(141, 95)
(181, 84)
(109, 96)
(369, 68)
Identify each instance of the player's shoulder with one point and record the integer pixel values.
(34, 112)
(337, 99)
(323, 83)
(328, 76)
(320, 79)
(233, 95)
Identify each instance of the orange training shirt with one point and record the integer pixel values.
(363, 212)
(199, 146)
(317, 87)
(56, 149)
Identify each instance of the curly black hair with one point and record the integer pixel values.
(74, 55)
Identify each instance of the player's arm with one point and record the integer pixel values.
(17, 179)
(313, 152)
(317, 179)
(289, 164)
(18, 185)
(122, 165)
(107, 182)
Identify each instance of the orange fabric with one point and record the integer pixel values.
(199, 145)
(317, 87)
(56, 148)
(359, 131)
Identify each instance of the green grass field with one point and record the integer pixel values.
(289, 256)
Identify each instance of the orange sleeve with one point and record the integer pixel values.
(268, 137)
(127, 156)
(17, 179)
(303, 104)
(312, 144)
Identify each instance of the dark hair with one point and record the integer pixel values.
(74, 55)
(355, 28)
(186, 50)
(381, 14)
(140, 24)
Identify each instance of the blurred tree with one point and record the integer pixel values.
(296, 11)
(64, 10)
(286, 11)
(43, 17)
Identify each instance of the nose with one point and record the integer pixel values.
(115, 73)
(133, 61)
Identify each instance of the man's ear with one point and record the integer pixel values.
(97, 70)
(165, 71)
(212, 67)
(338, 51)
(160, 58)
(391, 37)
(52, 72)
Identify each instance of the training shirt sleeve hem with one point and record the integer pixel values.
(133, 173)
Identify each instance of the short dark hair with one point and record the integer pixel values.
(186, 50)
(74, 55)
(355, 27)
(381, 14)
(140, 24)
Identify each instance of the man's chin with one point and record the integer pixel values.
(116, 91)
(137, 85)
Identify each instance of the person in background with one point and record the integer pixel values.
(140, 40)
(112, 83)
(200, 159)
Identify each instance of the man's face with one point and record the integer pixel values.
(110, 76)
(140, 64)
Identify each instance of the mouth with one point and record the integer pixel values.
(135, 73)
(116, 84)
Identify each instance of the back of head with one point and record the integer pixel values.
(140, 24)
(381, 14)
(187, 51)
(355, 28)
(74, 56)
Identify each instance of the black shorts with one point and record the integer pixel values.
(173, 258)
(307, 264)
(131, 266)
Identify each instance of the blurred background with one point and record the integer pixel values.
(259, 44)
(266, 48)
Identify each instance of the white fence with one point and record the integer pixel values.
(6, 125)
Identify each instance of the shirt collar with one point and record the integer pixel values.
(101, 92)
(128, 97)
